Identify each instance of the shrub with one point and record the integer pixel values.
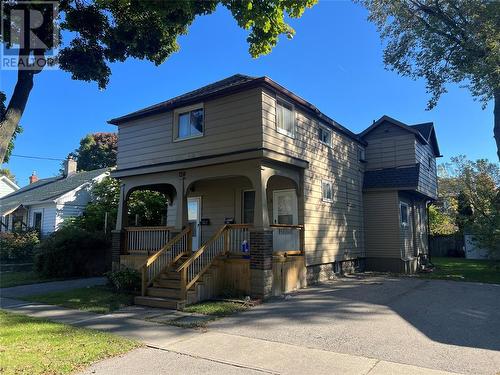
(72, 251)
(18, 247)
(125, 280)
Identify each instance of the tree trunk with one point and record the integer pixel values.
(496, 116)
(15, 109)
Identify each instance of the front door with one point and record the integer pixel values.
(194, 215)
(285, 212)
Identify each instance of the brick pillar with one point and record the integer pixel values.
(117, 242)
(261, 263)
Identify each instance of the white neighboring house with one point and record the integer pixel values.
(44, 204)
(7, 186)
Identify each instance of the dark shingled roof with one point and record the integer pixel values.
(47, 189)
(392, 178)
(424, 129)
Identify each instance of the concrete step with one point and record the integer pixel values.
(166, 283)
(163, 292)
(165, 303)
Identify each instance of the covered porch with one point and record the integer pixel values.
(246, 217)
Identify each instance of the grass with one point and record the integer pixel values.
(96, 299)
(216, 308)
(14, 278)
(212, 310)
(484, 271)
(35, 346)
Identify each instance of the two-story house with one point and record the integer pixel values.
(266, 193)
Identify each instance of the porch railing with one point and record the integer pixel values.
(166, 256)
(287, 238)
(222, 242)
(143, 240)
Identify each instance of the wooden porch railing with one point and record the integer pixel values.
(143, 240)
(222, 242)
(287, 238)
(166, 256)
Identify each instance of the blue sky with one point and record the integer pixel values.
(334, 61)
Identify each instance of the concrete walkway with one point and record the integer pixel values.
(210, 352)
(51, 286)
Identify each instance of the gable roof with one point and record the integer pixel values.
(9, 182)
(47, 189)
(229, 85)
(424, 132)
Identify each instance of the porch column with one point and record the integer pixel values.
(181, 203)
(261, 242)
(118, 235)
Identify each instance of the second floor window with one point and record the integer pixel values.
(285, 121)
(189, 123)
(325, 135)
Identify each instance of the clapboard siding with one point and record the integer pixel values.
(381, 212)
(333, 231)
(389, 146)
(427, 183)
(49, 215)
(232, 123)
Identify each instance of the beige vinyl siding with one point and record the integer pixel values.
(381, 213)
(389, 146)
(427, 183)
(333, 231)
(232, 123)
(220, 199)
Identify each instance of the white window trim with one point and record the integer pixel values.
(33, 218)
(407, 214)
(175, 122)
(294, 116)
(320, 126)
(330, 182)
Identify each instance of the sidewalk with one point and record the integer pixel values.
(215, 347)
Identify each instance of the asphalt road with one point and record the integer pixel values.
(444, 325)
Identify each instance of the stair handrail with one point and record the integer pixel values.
(147, 275)
(200, 251)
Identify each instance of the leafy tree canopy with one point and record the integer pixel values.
(443, 41)
(97, 150)
(102, 32)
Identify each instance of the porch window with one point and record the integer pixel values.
(285, 121)
(362, 154)
(189, 122)
(325, 135)
(248, 206)
(404, 212)
(37, 221)
(327, 191)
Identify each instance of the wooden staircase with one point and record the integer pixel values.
(176, 276)
(166, 289)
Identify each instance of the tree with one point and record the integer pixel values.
(7, 173)
(444, 41)
(108, 31)
(96, 151)
(473, 187)
(150, 207)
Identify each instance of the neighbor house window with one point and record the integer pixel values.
(404, 209)
(327, 191)
(189, 122)
(248, 206)
(285, 119)
(37, 221)
(325, 135)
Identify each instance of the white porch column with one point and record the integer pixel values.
(121, 208)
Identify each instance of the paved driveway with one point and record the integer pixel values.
(444, 325)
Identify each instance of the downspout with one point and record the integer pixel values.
(427, 203)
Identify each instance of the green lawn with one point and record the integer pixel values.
(8, 279)
(96, 299)
(216, 308)
(35, 346)
(485, 271)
